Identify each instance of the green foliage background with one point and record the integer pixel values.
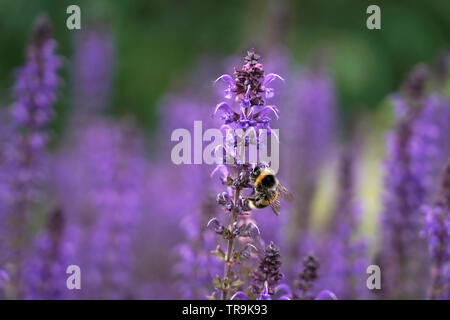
(158, 41)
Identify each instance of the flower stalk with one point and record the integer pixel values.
(247, 85)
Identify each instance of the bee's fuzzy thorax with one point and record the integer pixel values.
(262, 175)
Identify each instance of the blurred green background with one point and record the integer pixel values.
(159, 41)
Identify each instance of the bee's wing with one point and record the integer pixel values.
(284, 193)
(276, 207)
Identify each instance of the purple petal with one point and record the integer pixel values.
(265, 292)
(225, 78)
(268, 109)
(270, 77)
(213, 220)
(326, 295)
(225, 108)
(220, 168)
(269, 93)
(284, 288)
(250, 114)
(239, 295)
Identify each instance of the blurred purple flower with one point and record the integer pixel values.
(417, 148)
(307, 136)
(344, 257)
(102, 183)
(190, 208)
(92, 70)
(23, 169)
(45, 269)
(306, 143)
(307, 277)
(304, 284)
(437, 231)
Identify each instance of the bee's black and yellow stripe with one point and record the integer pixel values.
(265, 184)
(266, 179)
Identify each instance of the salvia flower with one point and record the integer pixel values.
(250, 87)
(267, 275)
(307, 276)
(415, 154)
(23, 157)
(247, 85)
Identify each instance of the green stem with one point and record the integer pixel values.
(227, 268)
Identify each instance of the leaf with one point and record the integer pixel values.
(219, 254)
(226, 284)
(236, 284)
(217, 283)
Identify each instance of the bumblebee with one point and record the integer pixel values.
(267, 190)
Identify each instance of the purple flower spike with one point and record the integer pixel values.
(267, 275)
(23, 156)
(247, 86)
(417, 149)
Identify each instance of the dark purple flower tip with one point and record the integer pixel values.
(415, 82)
(42, 31)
